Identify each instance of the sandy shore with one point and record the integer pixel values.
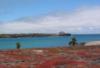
(92, 43)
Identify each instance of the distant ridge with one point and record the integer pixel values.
(31, 35)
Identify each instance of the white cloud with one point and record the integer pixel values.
(81, 21)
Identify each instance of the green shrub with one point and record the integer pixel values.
(18, 46)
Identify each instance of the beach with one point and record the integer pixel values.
(92, 43)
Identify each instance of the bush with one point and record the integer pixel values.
(18, 46)
(73, 42)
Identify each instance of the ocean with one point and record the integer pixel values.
(44, 42)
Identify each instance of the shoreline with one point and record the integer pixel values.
(32, 35)
(87, 44)
(93, 43)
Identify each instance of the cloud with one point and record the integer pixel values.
(86, 20)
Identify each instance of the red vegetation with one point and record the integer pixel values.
(88, 57)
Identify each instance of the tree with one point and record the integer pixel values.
(73, 42)
(18, 45)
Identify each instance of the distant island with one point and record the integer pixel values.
(33, 35)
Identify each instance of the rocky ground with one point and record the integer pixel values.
(61, 57)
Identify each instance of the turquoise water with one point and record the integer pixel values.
(37, 42)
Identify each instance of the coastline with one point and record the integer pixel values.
(94, 43)
(31, 35)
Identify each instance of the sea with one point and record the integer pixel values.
(45, 42)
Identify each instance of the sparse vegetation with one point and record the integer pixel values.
(18, 46)
(73, 42)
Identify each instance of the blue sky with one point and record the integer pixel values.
(14, 9)
(11, 10)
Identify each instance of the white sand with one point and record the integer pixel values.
(92, 43)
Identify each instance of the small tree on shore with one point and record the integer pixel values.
(18, 46)
(73, 42)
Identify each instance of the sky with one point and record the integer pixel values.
(50, 16)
